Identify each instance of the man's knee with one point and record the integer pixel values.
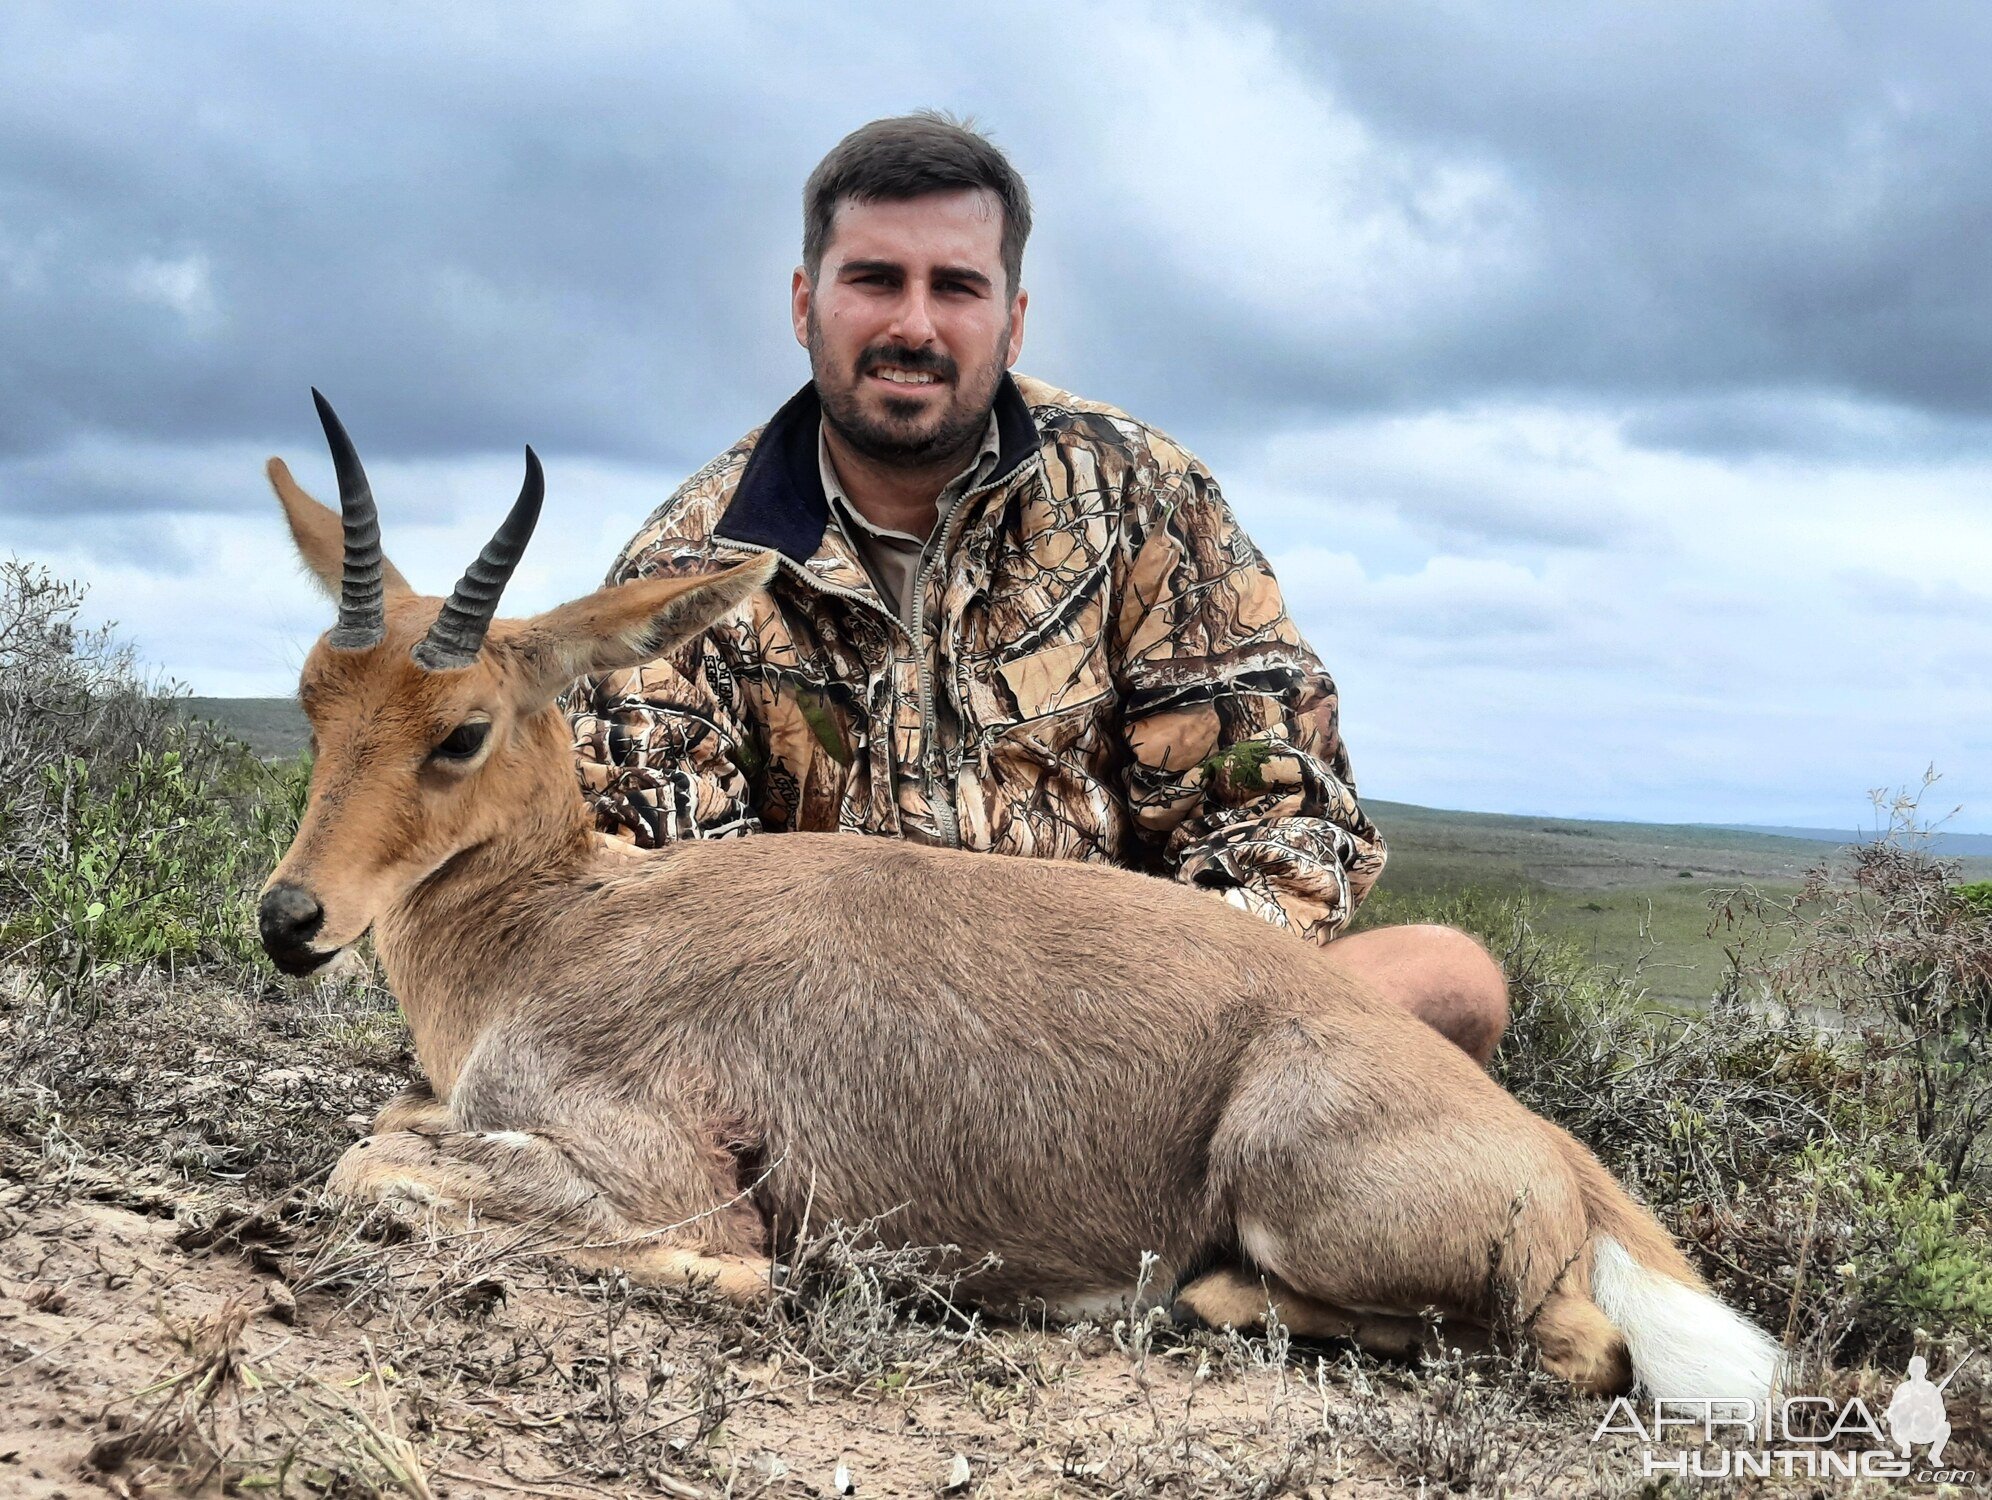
(1443, 976)
(1467, 993)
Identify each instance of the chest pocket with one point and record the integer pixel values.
(1053, 680)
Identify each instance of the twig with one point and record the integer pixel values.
(523, 1489)
(34, 1354)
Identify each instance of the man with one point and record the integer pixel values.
(1008, 619)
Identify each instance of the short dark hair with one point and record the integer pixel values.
(909, 156)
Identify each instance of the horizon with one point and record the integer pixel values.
(1851, 833)
(1608, 400)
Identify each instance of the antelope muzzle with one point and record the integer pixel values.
(288, 920)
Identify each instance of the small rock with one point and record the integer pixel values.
(769, 1465)
(959, 1474)
(280, 1302)
(842, 1482)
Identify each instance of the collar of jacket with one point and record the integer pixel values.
(779, 501)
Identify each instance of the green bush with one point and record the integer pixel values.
(155, 860)
(1909, 1252)
(1785, 1153)
(130, 837)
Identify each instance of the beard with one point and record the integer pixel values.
(908, 435)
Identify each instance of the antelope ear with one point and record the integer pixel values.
(627, 624)
(320, 536)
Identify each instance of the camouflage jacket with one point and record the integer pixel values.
(1099, 667)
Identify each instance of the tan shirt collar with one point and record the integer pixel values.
(857, 526)
(892, 559)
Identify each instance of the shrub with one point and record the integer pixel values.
(1885, 942)
(1783, 1148)
(150, 862)
(63, 691)
(130, 836)
(1913, 1253)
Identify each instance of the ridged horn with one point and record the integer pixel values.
(362, 611)
(458, 634)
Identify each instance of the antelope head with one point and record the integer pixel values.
(433, 726)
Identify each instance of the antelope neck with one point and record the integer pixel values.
(461, 948)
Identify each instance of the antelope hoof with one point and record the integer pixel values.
(736, 1279)
(1222, 1299)
(371, 1171)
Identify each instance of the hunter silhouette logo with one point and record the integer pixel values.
(1916, 1412)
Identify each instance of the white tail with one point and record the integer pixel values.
(1685, 1344)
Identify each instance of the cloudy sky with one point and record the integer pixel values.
(1610, 385)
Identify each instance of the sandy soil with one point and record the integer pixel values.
(140, 1362)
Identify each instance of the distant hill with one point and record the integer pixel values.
(272, 727)
(1943, 845)
(1627, 894)
(1594, 853)
(1583, 854)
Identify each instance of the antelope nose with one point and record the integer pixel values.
(289, 918)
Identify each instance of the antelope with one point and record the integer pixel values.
(677, 1056)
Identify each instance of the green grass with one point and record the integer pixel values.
(1625, 895)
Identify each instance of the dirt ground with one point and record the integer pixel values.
(182, 1312)
(147, 1353)
(563, 1389)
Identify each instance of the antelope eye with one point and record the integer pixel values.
(463, 741)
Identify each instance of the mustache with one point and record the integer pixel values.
(924, 361)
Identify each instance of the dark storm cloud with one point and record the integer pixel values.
(129, 540)
(94, 479)
(1722, 199)
(1476, 483)
(488, 226)
(1827, 429)
(468, 233)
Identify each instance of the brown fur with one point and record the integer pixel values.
(963, 1043)
(324, 552)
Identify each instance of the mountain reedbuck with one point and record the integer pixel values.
(675, 1058)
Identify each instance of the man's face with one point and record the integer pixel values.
(910, 324)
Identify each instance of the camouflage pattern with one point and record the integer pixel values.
(1107, 673)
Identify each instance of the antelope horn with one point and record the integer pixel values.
(362, 614)
(458, 634)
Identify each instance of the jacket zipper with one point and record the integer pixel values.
(816, 583)
(941, 800)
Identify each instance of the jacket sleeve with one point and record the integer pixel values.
(1235, 769)
(662, 749)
